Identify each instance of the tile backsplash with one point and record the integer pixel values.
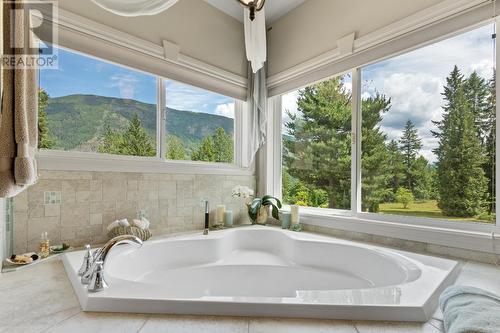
(75, 207)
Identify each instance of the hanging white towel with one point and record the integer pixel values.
(255, 39)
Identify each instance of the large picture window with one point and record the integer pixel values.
(200, 124)
(431, 152)
(427, 129)
(317, 145)
(89, 105)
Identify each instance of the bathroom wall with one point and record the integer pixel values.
(315, 26)
(75, 207)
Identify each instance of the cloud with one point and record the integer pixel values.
(226, 110)
(126, 84)
(188, 98)
(414, 81)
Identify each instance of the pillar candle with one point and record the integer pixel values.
(295, 214)
(228, 218)
(286, 219)
(220, 213)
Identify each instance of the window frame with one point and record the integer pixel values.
(440, 231)
(54, 159)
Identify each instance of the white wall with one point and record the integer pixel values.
(314, 27)
(201, 31)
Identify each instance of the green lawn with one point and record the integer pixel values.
(423, 209)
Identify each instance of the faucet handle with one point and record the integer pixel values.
(87, 261)
(97, 282)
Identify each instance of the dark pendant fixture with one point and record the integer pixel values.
(253, 6)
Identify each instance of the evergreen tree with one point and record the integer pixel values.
(223, 146)
(45, 139)
(205, 151)
(460, 173)
(410, 145)
(374, 154)
(396, 166)
(175, 149)
(477, 92)
(490, 144)
(317, 148)
(112, 142)
(319, 145)
(134, 141)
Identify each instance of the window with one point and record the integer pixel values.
(428, 147)
(90, 105)
(200, 124)
(316, 138)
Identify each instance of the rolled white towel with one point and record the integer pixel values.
(113, 225)
(141, 224)
(124, 223)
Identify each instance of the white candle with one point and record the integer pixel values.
(221, 209)
(295, 214)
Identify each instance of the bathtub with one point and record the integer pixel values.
(266, 271)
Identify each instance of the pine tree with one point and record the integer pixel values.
(490, 144)
(318, 144)
(136, 140)
(175, 148)
(223, 146)
(374, 154)
(410, 145)
(45, 139)
(396, 165)
(205, 151)
(460, 173)
(112, 142)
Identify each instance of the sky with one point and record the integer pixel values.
(415, 81)
(79, 74)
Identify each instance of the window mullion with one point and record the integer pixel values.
(161, 114)
(356, 142)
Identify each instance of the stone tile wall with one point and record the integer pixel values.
(75, 207)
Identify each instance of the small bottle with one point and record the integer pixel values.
(44, 245)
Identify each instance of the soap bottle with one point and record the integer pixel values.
(44, 245)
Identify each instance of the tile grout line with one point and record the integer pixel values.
(248, 325)
(144, 323)
(61, 321)
(355, 327)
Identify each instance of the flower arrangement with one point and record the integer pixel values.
(258, 207)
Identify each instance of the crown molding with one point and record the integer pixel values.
(431, 15)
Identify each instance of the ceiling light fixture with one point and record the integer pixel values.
(253, 6)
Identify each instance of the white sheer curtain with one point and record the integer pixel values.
(255, 39)
(135, 7)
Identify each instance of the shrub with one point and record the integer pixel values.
(404, 197)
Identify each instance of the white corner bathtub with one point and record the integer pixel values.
(266, 271)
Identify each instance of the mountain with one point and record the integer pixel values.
(78, 121)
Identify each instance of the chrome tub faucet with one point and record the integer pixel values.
(92, 269)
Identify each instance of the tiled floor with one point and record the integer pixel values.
(41, 299)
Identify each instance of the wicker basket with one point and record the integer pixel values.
(143, 234)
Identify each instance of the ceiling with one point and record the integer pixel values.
(275, 9)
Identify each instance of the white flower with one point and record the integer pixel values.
(242, 192)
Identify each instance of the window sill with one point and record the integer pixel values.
(465, 235)
(80, 161)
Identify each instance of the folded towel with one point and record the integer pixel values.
(124, 223)
(470, 310)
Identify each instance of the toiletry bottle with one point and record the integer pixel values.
(44, 245)
(207, 218)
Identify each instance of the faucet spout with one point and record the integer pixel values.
(102, 253)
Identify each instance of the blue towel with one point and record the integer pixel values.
(470, 310)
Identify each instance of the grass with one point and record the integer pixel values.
(427, 208)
